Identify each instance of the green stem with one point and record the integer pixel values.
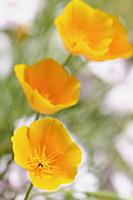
(37, 116)
(28, 191)
(103, 195)
(67, 60)
(7, 167)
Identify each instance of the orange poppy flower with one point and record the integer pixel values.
(92, 33)
(48, 86)
(47, 152)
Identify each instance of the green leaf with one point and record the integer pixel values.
(103, 195)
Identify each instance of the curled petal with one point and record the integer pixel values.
(48, 86)
(92, 33)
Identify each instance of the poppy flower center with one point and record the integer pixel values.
(41, 164)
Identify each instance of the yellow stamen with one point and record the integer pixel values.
(40, 164)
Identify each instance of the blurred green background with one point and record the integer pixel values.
(99, 122)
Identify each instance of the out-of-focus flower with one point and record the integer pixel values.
(47, 151)
(48, 86)
(2, 187)
(85, 182)
(123, 185)
(6, 60)
(112, 71)
(125, 140)
(24, 121)
(121, 94)
(14, 13)
(17, 177)
(92, 33)
(124, 146)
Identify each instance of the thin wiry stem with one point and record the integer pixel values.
(28, 192)
(67, 60)
(37, 116)
(7, 167)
